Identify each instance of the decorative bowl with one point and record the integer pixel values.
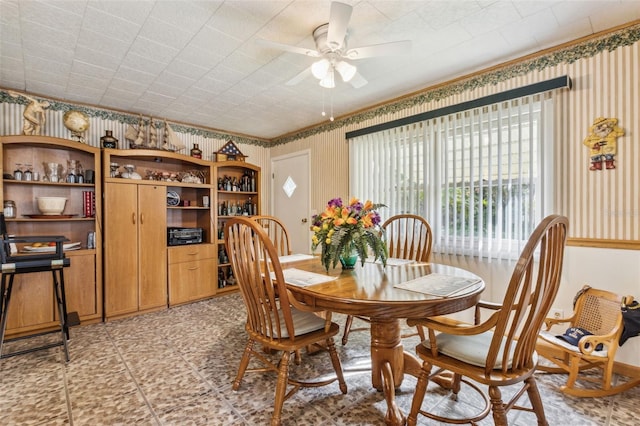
(51, 206)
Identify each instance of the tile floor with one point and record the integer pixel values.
(175, 367)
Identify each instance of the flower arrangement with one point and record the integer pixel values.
(349, 230)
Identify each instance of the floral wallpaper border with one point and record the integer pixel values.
(624, 37)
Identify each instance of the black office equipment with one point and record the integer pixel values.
(14, 263)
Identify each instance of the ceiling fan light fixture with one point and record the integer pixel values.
(346, 70)
(328, 81)
(320, 68)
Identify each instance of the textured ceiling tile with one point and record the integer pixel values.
(10, 50)
(52, 52)
(206, 58)
(186, 69)
(124, 95)
(56, 70)
(525, 33)
(158, 98)
(96, 58)
(112, 26)
(167, 34)
(143, 64)
(210, 85)
(45, 35)
(155, 51)
(47, 14)
(566, 13)
(188, 15)
(10, 32)
(175, 80)
(132, 11)
(209, 38)
(490, 18)
(9, 11)
(82, 68)
(629, 10)
(443, 13)
(135, 76)
(228, 15)
(77, 90)
(53, 90)
(12, 73)
(569, 31)
(102, 44)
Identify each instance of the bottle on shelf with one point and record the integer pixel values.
(196, 152)
(221, 280)
(28, 174)
(231, 280)
(108, 141)
(10, 211)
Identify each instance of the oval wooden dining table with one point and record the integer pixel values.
(368, 290)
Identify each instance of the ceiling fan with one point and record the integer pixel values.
(333, 52)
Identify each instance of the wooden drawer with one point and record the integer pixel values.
(192, 252)
(189, 281)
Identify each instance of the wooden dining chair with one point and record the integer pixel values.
(279, 236)
(599, 313)
(277, 233)
(275, 319)
(409, 237)
(501, 350)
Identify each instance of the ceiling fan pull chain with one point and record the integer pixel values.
(323, 113)
(331, 118)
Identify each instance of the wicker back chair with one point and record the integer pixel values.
(274, 319)
(598, 312)
(409, 237)
(501, 350)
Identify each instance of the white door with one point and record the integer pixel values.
(291, 198)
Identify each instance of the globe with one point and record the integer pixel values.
(77, 122)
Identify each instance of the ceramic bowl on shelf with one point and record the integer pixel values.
(51, 206)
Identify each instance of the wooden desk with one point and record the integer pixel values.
(368, 291)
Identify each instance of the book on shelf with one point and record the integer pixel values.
(89, 203)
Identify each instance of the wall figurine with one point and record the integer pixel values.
(34, 118)
(601, 142)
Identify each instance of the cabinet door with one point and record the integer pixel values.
(152, 246)
(121, 249)
(80, 286)
(32, 303)
(191, 281)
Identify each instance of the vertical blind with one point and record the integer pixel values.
(478, 176)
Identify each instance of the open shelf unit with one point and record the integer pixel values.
(241, 199)
(33, 308)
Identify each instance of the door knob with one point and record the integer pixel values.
(304, 220)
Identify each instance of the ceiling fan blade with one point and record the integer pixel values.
(393, 48)
(288, 48)
(338, 21)
(358, 81)
(298, 78)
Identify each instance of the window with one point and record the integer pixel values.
(478, 176)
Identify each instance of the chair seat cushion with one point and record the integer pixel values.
(303, 322)
(551, 338)
(470, 349)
